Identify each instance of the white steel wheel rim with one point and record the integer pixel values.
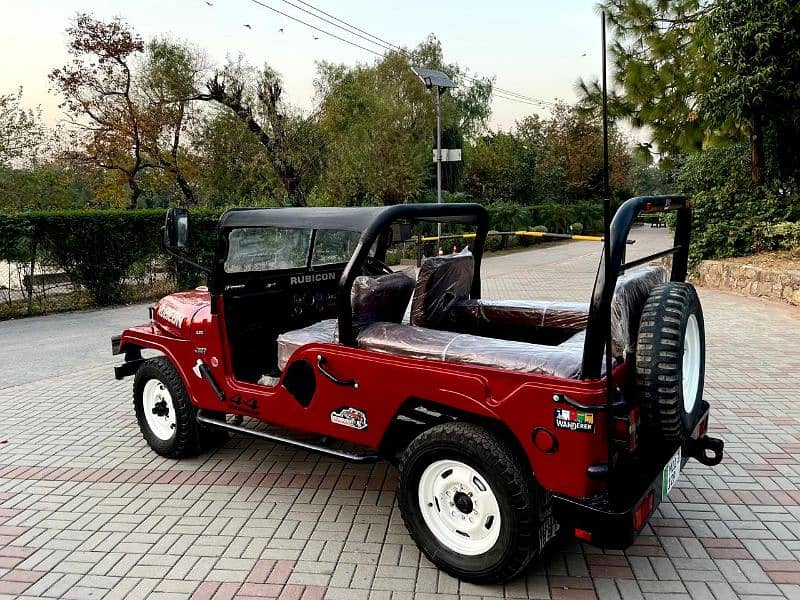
(691, 364)
(159, 410)
(459, 507)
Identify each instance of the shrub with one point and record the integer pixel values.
(99, 249)
(778, 236)
(508, 216)
(494, 242)
(540, 229)
(725, 219)
(576, 228)
(714, 167)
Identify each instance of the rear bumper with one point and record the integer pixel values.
(611, 520)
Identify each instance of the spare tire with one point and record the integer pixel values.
(670, 361)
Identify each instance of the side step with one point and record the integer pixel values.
(335, 448)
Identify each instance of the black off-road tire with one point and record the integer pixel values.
(659, 361)
(520, 499)
(189, 437)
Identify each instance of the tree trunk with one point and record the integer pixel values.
(136, 191)
(186, 189)
(291, 185)
(757, 167)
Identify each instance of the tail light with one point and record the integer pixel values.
(626, 430)
(583, 534)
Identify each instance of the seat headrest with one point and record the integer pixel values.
(380, 298)
(442, 281)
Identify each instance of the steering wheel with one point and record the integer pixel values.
(372, 266)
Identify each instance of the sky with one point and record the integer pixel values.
(538, 48)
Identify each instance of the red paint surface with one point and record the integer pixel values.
(520, 401)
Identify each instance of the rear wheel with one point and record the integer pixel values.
(470, 502)
(670, 360)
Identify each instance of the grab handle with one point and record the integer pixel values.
(321, 362)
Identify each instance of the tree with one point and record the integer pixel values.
(660, 65)
(288, 137)
(494, 168)
(234, 167)
(573, 145)
(376, 122)
(379, 124)
(167, 80)
(98, 90)
(21, 130)
(756, 47)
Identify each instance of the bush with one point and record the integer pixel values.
(576, 228)
(725, 219)
(508, 216)
(778, 236)
(99, 249)
(540, 229)
(712, 168)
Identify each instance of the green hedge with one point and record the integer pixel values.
(556, 217)
(98, 249)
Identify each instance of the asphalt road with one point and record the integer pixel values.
(42, 347)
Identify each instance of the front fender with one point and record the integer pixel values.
(135, 339)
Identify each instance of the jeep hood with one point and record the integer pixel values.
(174, 313)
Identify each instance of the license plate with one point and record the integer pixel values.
(670, 474)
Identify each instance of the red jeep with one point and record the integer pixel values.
(498, 414)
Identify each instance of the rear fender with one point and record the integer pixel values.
(416, 416)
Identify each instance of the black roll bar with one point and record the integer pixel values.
(464, 214)
(597, 330)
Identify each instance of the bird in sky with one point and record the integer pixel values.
(209, 3)
(248, 26)
(316, 37)
(281, 29)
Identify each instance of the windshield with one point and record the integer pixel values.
(253, 249)
(331, 246)
(267, 249)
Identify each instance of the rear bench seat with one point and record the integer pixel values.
(562, 361)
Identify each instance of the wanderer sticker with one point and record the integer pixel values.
(349, 417)
(574, 420)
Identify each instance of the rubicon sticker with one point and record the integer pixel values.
(349, 417)
(574, 420)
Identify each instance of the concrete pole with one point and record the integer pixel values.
(439, 158)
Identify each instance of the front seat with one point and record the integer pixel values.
(381, 298)
(442, 282)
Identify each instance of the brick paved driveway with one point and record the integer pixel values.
(87, 511)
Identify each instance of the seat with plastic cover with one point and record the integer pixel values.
(381, 298)
(562, 360)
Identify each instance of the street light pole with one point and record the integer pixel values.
(438, 82)
(439, 158)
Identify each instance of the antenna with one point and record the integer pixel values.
(607, 244)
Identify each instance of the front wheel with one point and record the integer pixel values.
(167, 418)
(471, 503)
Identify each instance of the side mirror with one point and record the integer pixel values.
(176, 228)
